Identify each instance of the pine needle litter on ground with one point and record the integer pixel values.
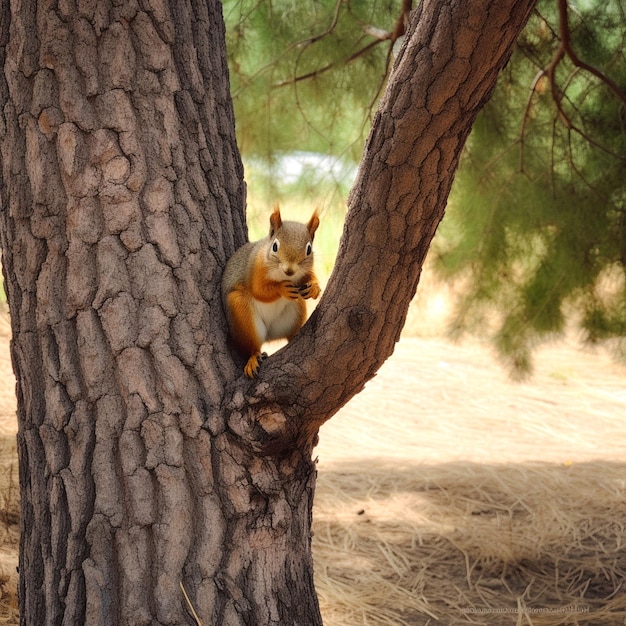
(469, 499)
(471, 543)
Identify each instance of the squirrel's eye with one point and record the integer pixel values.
(275, 245)
(309, 248)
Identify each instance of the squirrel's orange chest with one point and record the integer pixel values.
(264, 288)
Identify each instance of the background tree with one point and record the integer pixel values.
(539, 223)
(535, 235)
(147, 462)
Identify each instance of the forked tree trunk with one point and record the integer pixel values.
(146, 460)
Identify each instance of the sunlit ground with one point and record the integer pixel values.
(449, 494)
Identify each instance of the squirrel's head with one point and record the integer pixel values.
(291, 245)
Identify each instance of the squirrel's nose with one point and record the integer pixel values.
(289, 269)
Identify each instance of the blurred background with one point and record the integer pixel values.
(533, 244)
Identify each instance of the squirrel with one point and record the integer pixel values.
(265, 285)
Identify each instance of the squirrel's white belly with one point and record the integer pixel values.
(275, 320)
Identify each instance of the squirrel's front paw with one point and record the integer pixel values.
(289, 290)
(309, 290)
(254, 363)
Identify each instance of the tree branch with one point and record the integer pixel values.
(566, 46)
(333, 24)
(330, 66)
(378, 34)
(565, 50)
(398, 199)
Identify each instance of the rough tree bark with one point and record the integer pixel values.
(146, 459)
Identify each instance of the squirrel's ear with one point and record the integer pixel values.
(314, 222)
(275, 221)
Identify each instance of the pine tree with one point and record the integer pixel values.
(537, 221)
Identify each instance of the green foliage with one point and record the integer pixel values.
(537, 219)
(304, 75)
(535, 232)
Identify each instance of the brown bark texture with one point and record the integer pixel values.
(146, 460)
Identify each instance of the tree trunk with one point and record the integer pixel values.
(146, 460)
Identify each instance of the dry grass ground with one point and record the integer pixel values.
(449, 495)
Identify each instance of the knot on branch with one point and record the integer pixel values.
(267, 429)
(360, 319)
